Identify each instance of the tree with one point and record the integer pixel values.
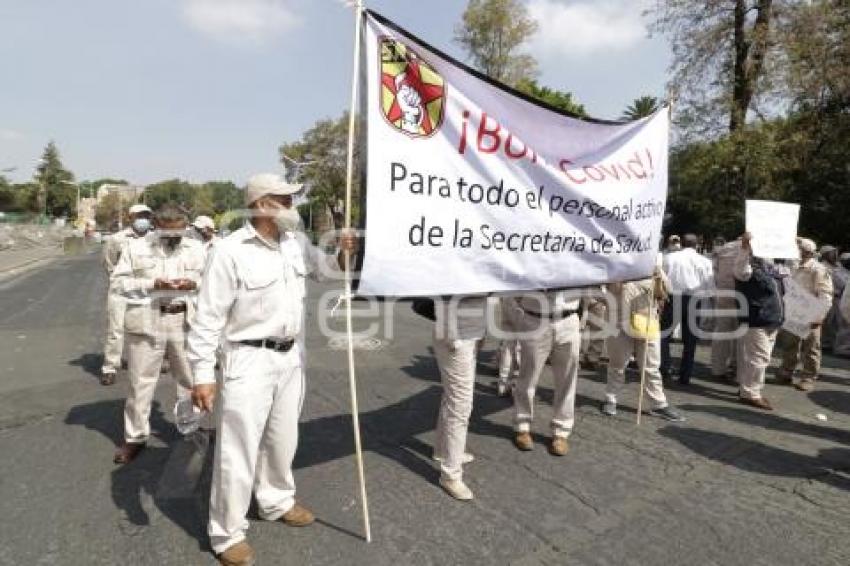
(721, 52)
(559, 99)
(492, 33)
(109, 210)
(641, 108)
(54, 180)
(324, 148)
(180, 193)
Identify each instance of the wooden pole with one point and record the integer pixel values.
(352, 377)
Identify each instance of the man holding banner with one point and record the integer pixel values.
(251, 303)
(634, 313)
(459, 326)
(550, 324)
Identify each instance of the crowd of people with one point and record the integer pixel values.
(225, 317)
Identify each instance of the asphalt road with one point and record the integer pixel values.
(731, 486)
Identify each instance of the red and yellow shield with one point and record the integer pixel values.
(413, 94)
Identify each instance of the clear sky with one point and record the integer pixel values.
(208, 89)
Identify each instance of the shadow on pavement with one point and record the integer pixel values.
(830, 466)
(91, 364)
(771, 421)
(836, 401)
(142, 477)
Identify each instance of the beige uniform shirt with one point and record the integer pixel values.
(114, 245)
(633, 296)
(143, 261)
(252, 289)
(815, 278)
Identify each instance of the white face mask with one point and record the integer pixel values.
(287, 220)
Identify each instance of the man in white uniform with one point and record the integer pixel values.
(204, 227)
(157, 275)
(252, 304)
(690, 275)
(551, 327)
(140, 224)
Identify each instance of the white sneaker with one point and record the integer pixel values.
(467, 458)
(457, 489)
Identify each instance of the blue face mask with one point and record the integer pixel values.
(141, 225)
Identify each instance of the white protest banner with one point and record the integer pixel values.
(773, 226)
(474, 188)
(802, 309)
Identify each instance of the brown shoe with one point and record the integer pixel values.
(760, 403)
(298, 516)
(240, 554)
(806, 384)
(523, 441)
(559, 446)
(107, 378)
(127, 452)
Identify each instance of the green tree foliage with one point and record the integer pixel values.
(54, 179)
(110, 209)
(559, 99)
(799, 57)
(211, 199)
(641, 108)
(493, 32)
(725, 53)
(7, 195)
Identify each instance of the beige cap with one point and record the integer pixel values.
(268, 184)
(807, 245)
(202, 222)
(139, 208)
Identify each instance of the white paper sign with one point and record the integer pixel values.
(473, 189)
(802, 309)
(773, 226)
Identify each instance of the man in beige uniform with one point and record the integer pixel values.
(811, 275)
(627, 298)
(550, 324)
(140, 224)
(459, 326)
(724, 347)
(157, 275)
(251, 304)
(761, 284)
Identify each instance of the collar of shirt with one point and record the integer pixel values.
(252, 233)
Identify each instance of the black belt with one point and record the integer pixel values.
(172, 309)
(276, 345)
(553, 315)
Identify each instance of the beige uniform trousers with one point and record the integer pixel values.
(259, 404)
(145, 355)
(560, 340)
(808, 348)
(113, 346)
(723, 350)
(456, 359)
(753, 359)
(620, 349)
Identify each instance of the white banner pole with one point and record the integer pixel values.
(352, 378)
